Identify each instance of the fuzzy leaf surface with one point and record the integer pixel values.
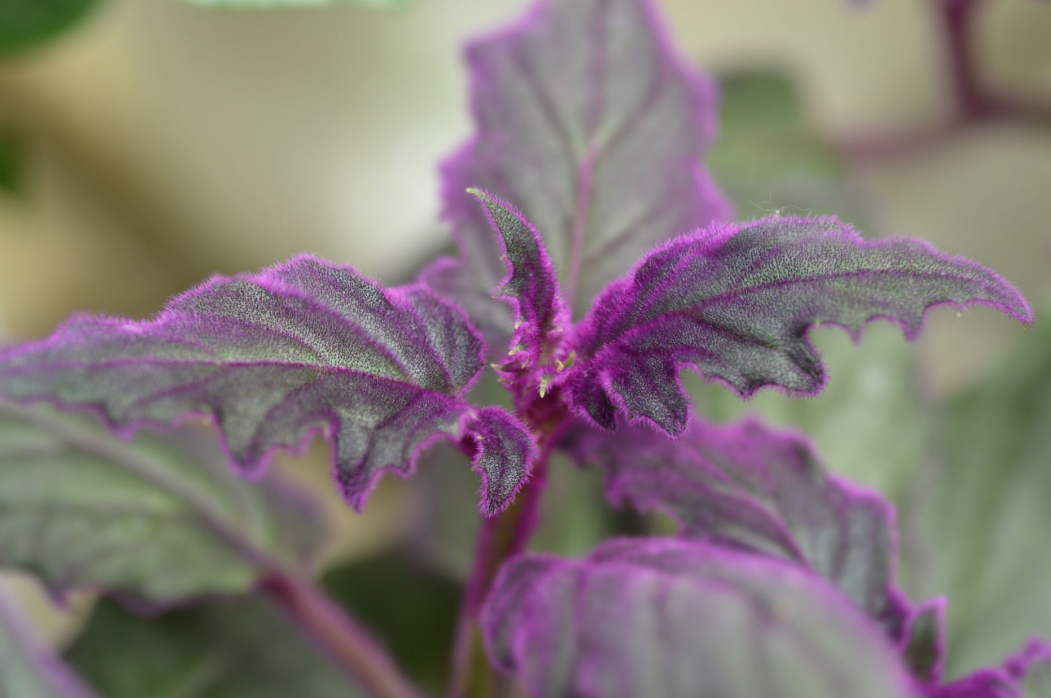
(26, 24)
(753, 488)
(28, 667)
(228, 648)
(676, 618)
(301, 347)
(592, 125)
(531, 284)
(156, 519)
(736, 303)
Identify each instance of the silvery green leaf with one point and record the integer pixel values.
(158, 519)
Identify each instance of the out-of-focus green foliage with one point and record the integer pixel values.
(12, 162)
(412, 610)
(243, 648)
(294, 4)
(869, 423)
(767, 159)
(25, 24)
(983, 522)
(157, 519)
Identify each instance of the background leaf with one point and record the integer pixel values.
(28, 23)
(156, 519)
(227, 648)
(767, 157)
(12, 161)
(589, 123)
(671, 618)
(981, 534)
(749, 487)
(410, 609)
(28, 667)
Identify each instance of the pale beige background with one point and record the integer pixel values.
(172, 142)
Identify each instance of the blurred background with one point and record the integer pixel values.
(156, 143)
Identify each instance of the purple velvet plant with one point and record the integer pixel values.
(596, 263)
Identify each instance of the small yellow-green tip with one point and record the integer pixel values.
(474, 191)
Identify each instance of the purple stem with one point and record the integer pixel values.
(973, 102)
(957, 22)
(502, 537)
(351, 645)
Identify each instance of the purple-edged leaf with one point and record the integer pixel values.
(158, 519)
(590, 123)
(736, 303)
(750, 487)
(924, 643)
(1027, 674)
(28, 667)
(531, 284)
(506, 451)
(301, 347)
(674, 618)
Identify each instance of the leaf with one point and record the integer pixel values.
(981, 529)
(736, 303)
(671, 618)
(28, 23)
(419, 627)
(590, 123)
(295, 4)
(157, 519)
(506, 451)
(872, 423)
(1026, 674)
(531, 284)
(274, 357)
(228, 648)
(749, 487)
(28, 668)
(924, 645)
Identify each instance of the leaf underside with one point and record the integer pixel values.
(736, 303)
(676, 618)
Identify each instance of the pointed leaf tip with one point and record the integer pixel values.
(737, 303)
(570, 127)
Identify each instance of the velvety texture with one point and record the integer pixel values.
(675, 618)
(301, 347)
(736, 302)
(159, 520)
(590, 123)
(505, 453)
(531, 284)
(28, 667)
(750, 487)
